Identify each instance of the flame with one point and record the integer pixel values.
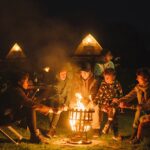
(80, 105)
(77, 115)
(46, 69)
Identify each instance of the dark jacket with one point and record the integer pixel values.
(13, 100)
(107, 92)
(141, 93)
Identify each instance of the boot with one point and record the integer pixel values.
(51, 133)
(117, 138)
(135, 141)
(39, 138)
(107, 127)
(134, 133)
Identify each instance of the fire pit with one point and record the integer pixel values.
(80, 122)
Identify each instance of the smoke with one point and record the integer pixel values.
(46, 40)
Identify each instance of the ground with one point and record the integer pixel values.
(102, 143)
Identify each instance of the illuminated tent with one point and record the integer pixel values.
(16, 52)
(89, 46)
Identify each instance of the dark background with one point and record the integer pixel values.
(48, 30)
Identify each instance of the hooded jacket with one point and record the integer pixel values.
(88, 87)
(62, 91)
(100, 67)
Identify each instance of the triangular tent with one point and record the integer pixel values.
(89, 46)
(16, 52)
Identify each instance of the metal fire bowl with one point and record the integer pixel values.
(79, 140)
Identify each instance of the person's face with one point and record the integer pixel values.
(63, 75)
(108, 57)
(85, 74)
(109, 78)
(141, 80)
(25, 83)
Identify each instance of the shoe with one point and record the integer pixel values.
(51, 133)
(37, 139)
(106, 127)
(96, 133)
(135, 141)
(117, 138)
(134, 133)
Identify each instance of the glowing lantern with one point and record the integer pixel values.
(16, 48)
(89, 46)
(16, 52)
(46, 69)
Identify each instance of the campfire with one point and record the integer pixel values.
(80, 119)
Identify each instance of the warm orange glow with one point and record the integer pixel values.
(80, 105)
(16, 47)
(90, 97)
(76, 116)
(46, 69)
(89, 39)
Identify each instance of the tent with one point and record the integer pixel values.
(88, 46)
(16, 52)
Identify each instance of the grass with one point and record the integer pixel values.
(102, 143)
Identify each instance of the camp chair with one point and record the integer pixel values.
(19, 136)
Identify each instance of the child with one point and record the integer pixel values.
(105, 63)
(110, 88)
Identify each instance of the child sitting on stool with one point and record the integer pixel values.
(110, 88)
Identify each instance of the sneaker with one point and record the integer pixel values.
(39, 139)
(117, 138)
(51, 133)
(135, 141)
(134, 133)
(106, 128)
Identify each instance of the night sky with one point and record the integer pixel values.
(45, 28)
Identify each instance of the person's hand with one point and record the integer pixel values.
(105, 109)
(65, 108)
(115, 100)
(43, 109)
(55, 110)
(139, 107)
(122, 105)
(46, 110)
(51, 110)
(58, 112)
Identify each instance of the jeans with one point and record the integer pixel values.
(24, 113)
(53, 118)
(138, 115)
